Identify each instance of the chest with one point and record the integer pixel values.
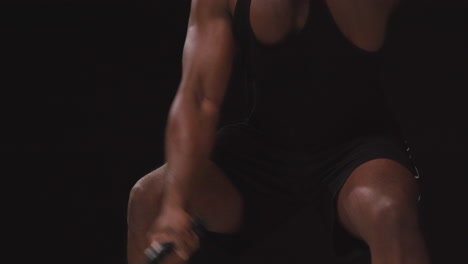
(360, 22)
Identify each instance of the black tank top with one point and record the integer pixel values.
(315, 88)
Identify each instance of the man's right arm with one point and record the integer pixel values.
(194, 114)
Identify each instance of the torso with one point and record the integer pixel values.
(314, 67)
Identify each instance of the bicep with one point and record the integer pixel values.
(207, 56)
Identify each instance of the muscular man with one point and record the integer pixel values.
(319, 122)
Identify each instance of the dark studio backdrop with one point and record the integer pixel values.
(88, 88)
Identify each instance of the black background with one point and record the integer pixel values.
(88, 85)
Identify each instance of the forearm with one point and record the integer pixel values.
(189, 139)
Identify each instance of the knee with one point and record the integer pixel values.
(393, 212)
(137, 193)
(385, 210)
(147, 191)
(151, 182)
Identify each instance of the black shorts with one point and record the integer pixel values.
(276, 183)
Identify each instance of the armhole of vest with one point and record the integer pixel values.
(240, 21)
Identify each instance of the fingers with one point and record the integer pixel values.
(188, 244)
(185, 242)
